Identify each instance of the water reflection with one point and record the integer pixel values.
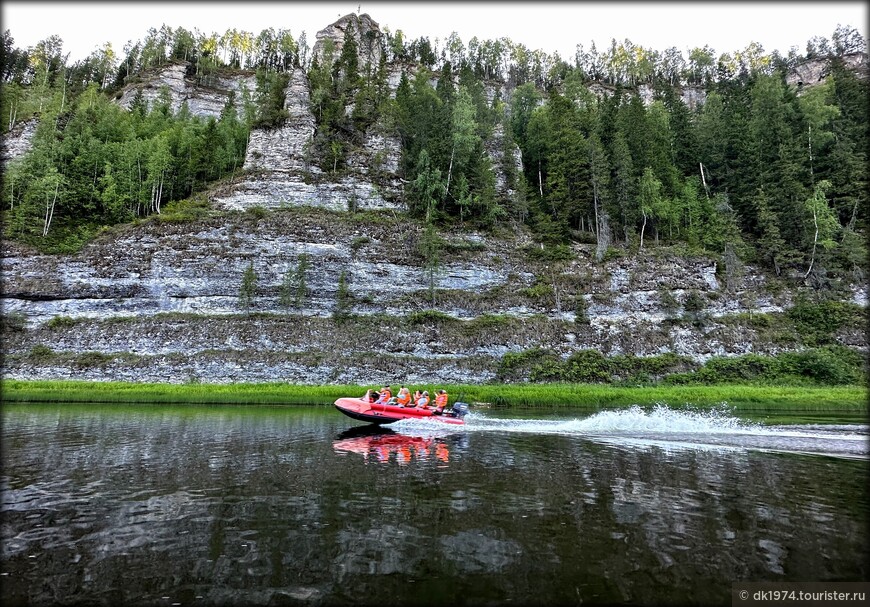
(228, 506)
(381, 445)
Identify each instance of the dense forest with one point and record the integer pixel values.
(759, 172)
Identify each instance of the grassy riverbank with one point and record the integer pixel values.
(584, 396)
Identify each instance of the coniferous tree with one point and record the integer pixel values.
(248, 288)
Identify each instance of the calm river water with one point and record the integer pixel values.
(154, 505)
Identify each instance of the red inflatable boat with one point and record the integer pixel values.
(364, 411)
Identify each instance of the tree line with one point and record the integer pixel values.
(756, 173)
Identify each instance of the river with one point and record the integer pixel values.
(194, 505)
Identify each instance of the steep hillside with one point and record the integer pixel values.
(160, 302)
(294, 271)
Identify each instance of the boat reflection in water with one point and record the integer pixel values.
(380, 444)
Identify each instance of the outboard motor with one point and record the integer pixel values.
(459, 409)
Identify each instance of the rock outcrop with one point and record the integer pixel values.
(18, 141)
(202, 100)
(366, 34)
(814, 71)
(281, 174)
(116, 310)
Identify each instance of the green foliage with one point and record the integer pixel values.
(60, 322)
(63, 239)
(40, 353)
(294, 287)
(818, 323)
(271, 86)
(776, 399)
(581, 309)
(426, 317)
(694, 306)
(539, 290)
(92, 359)
(668, 302)
(516, 366)
(486, 323)
(256, 212)
(187, 210)
(829, 365)
(343, 299)
(97, 164)
(14, 322)
(358, 243)
(549, 253)
(589, 366)
(757, 173)
(248, 288)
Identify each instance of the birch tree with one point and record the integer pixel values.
(825, 224)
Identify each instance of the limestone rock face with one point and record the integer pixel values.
(814, 71)
(280, 174)
(278, 190)
(283, 149)
(504, 162)
(367, 35)
(128, 297)
(18, 141)
(201, 100)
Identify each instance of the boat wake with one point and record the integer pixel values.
(687, 429)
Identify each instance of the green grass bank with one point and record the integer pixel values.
(748, 398)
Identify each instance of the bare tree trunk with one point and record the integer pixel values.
(540, 182)
(815, 242)
(854, 216)
(642, 228)
(160, 192)
(810, 146)
(704, 181)
(556, 295)
(49, 211)
(449, 171)
(603, 237)
(139, 189)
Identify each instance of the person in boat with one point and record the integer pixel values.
(440, 402)
(384, 396)
(417, 396)
(403, 398)
(371, 396)
(423, 402)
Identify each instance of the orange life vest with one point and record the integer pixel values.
(441, 400)
(403, 398)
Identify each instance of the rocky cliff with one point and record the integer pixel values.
(205, 97)
(814, 71)
(366, 34)
(159, 300)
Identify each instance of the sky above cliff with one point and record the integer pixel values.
(550, 26)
